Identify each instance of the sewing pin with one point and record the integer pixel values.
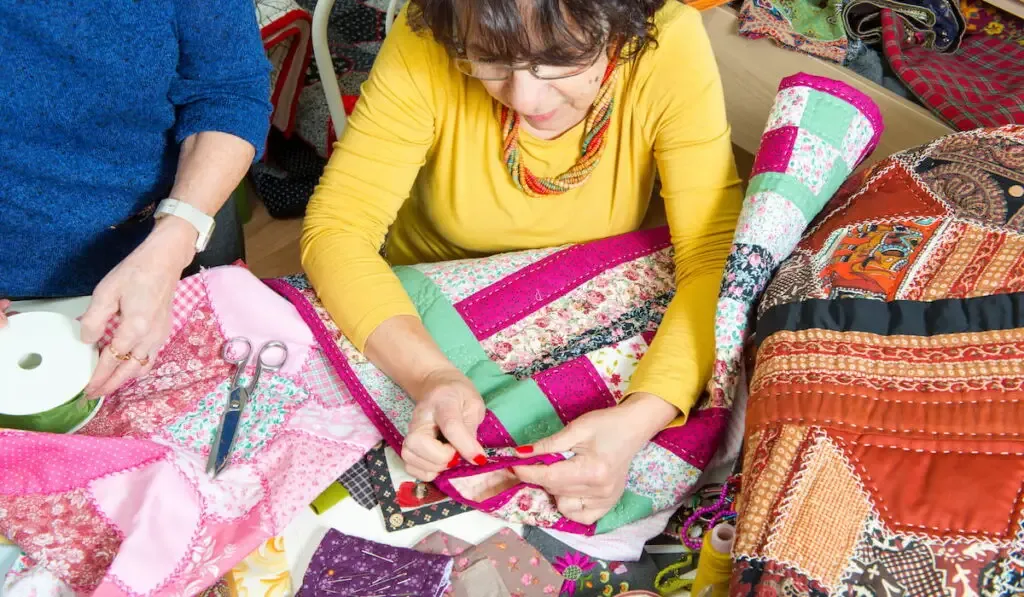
(384, 580)
(402, 567)
(377, 556)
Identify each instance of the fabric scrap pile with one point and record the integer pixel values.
(962, 59)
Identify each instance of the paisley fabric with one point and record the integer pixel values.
(125, 506)
(885, 438)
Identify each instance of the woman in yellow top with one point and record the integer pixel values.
(468, 140)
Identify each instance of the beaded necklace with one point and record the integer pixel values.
(590, 154)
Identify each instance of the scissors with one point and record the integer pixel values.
(237, 351)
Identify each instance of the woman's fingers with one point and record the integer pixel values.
(4, 304)
(584, 510)
(419, 467)
(422, 441)
(103, 306)
(456, 431)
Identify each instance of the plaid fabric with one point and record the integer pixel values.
(980, 86)
(914, 568)
(357, 481)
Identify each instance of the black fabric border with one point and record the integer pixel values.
(896, 318)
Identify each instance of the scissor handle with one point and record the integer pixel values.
(240, 358)
(262, 364)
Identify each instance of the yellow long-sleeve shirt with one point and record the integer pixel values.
(421, 154)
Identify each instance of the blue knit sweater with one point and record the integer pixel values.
(95, 99)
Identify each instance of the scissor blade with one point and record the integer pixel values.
(221, 448)
(227, 437)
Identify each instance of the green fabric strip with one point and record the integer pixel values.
(836, 177)
(520, 405)
(631, 508)
(789, 187)
(828, 117)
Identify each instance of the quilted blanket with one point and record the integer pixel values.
(885, 433)
(548, 335)
(125, 507)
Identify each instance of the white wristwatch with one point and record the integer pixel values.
(203, 223)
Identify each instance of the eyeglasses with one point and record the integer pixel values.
(499, 71)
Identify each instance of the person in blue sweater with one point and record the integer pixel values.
(124, 127)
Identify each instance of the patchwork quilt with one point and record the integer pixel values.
(885, 431)
(548, 335)
(125, 506)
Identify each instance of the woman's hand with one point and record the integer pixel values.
(448, 404)
(141, 289)
(4, 305)
(604, 441)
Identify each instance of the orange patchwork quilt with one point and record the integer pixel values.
(885, 428)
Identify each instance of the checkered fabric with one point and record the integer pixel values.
(357, 481)
(982, 85)
(914, 568)
(186, 296)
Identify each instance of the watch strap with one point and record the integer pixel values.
(203, 223)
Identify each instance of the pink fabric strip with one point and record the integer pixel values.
(492, 434)
(696, 441)
(574, 389)
(495, 307)
(775, 152)
(648, 336)
(443, 482)
(839, 89)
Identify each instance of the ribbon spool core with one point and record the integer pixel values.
(30, 361)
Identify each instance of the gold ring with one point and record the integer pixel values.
(143, 361)
(119, 356)
(583, 504)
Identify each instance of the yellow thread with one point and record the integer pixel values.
(715, 566)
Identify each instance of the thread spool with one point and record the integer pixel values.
(715, 565)
(43, 367)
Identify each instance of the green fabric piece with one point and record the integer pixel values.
(813, 19)
(520, 405)
(828, 117)
(789, 187)
(836, 177)
(329, 498)
(631, 508)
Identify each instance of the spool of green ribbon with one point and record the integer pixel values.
(66, 418)
(44, 367)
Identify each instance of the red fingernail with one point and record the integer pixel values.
(524, 449)
(454, 461)
(480, 459)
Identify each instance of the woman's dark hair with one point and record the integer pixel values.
(554, 32)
